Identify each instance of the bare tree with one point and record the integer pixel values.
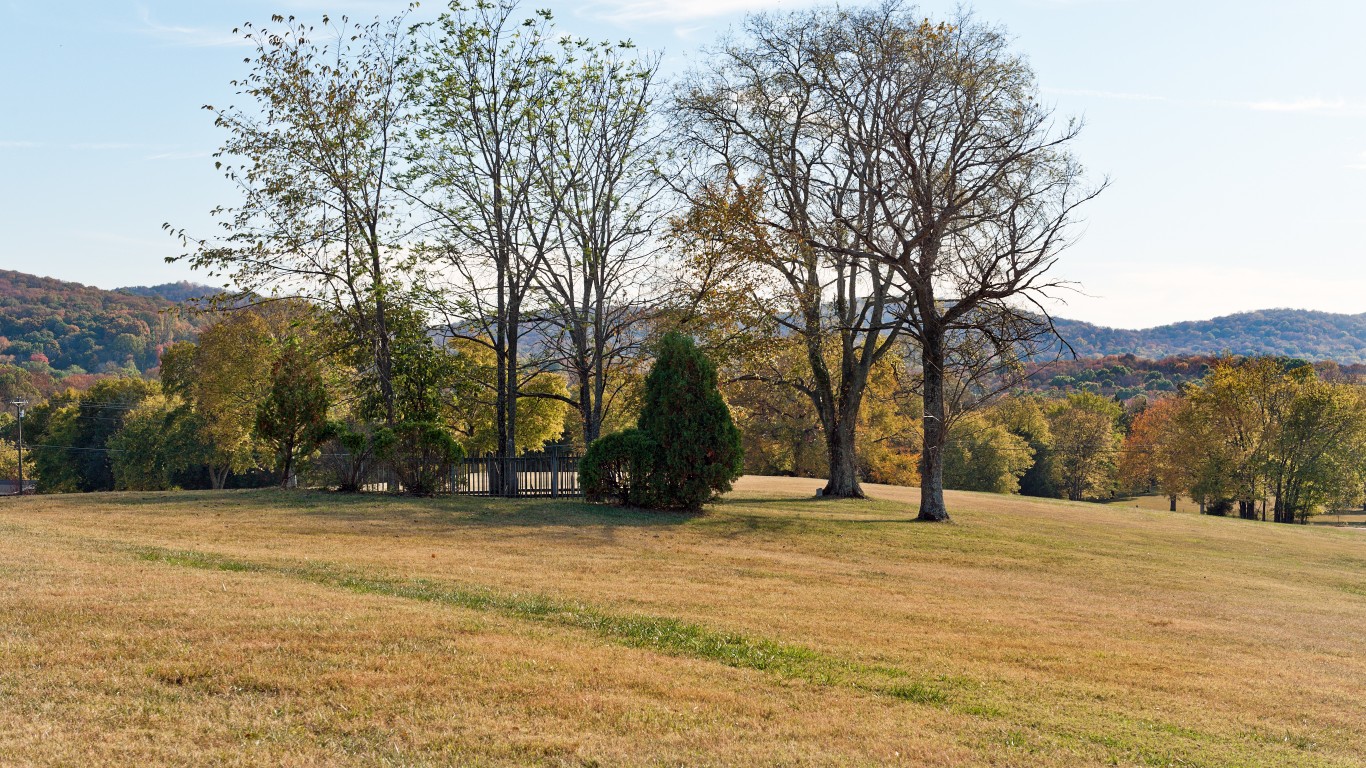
(314, 157)
(488, 84)
(928, 153)
(767, 184)
(601, 161)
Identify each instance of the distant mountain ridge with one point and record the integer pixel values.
(177, 293)
(96, 330)
(1299, 333)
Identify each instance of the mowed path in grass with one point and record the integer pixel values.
(267, 627)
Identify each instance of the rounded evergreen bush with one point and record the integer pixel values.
(422, 456)
(617, 468)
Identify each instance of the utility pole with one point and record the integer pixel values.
(19, 409)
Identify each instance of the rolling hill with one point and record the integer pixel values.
(180, 292)
(1285, 332)
(78, 326)
(74, 328)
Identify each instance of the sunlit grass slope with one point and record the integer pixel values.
(263, 627)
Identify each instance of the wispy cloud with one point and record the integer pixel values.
(679, 10)
(1114, 95)
(1360, 164)
(178, 155)
(8, 144)
(191, 37)
(99, 146)
(1311, 106)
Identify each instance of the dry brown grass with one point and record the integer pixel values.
(313, 629)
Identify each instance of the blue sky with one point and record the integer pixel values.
(1234, 134)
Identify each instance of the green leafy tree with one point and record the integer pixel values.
(1317, 458)
(423, 455)
(158, 442)
(9, 462)
(984, 456)
(71, 447)
(355, 448)
(1024, 416)
(314, 155)
(223, 377)
(618, 468)
(292, 419)
(1085, 445)
(541, 417)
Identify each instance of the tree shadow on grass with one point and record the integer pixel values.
(439, 511)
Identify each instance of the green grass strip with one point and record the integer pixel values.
(657, 633)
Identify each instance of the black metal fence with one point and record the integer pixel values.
(550, 475)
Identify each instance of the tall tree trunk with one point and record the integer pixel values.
(1172, 503)
(932, 455)
(589, 408)
(384, 365)
(218, 477)
(498, 467)
(508, 448)
(840, 450)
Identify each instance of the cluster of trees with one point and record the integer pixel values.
(55, 330)
(1257, 435)
(268, 394)
(474, 233)
(834, 193)
(264, 394)
(1020, 442)
(245, 401)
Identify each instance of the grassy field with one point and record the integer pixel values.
(266, 627)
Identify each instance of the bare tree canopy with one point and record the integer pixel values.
(917, 146)
(597, 285)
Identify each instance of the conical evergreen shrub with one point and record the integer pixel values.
(697, 446)
(686, 448)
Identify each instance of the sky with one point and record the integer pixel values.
(1233, 134)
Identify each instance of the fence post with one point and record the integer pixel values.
(554, 474)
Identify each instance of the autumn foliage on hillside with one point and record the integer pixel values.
(55, 328)
(1299, 333)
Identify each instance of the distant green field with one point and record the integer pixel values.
(1155, 503)
(279, 628)
(1160, 503)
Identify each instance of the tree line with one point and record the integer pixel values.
(1267, 437)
